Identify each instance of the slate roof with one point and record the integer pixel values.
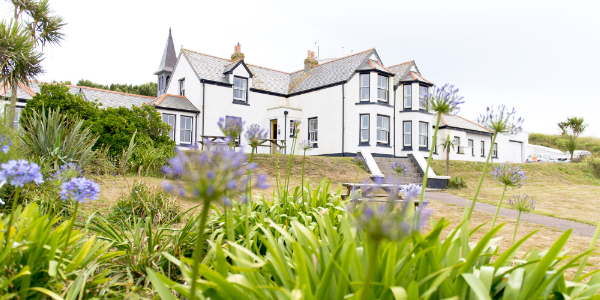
(169, 58)
(173, 102)
(401, 70)
(460, 122)
(374, 65)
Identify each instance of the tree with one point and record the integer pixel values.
(447, 144)
(37, 26)
(571, 129)
(146, 89)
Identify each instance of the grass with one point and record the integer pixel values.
(557, 141)
(566, 191)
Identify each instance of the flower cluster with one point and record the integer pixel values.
(443, 100)
(231, 127)
(217, 174)
(79, 189)
(399, 168)
(67, 171)
(20, 172)
(411, 191)
(305, 145)
(509, 176)
(501, 120)
(360, 161)
(5, 143)
(522, 202)
(255, 135)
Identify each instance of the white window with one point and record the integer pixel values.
(292, 128)
(185, 134)
(364, 128)
(382, 88)
(422, 99)
(182, 87)
(457, 143)
(170, 120)
(17, 120)
(407, 133)
(482, 148)
(495, 150)
(240, 88)
(470, 144)
(407, 96)
(383, 129)
(423, 134)
(313, 131)
(364, 87)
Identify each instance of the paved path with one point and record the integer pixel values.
(561, 224)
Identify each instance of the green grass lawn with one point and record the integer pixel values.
(566, 191)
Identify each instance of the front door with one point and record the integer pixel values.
(273, 135)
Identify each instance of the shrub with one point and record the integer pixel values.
(148, 160)
(145, 202)
(457, 183)
(146, 89)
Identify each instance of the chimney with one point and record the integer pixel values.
(237, 53)
(310, 61)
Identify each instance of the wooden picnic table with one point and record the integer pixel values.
(368, 189)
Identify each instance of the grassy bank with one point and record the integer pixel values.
(566, 191)
(557, 141)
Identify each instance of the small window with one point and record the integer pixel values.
(170, 120)
(422, 98)
(364, 128)
(482, 148)
(182, 87)
(407, 133)
(364, 87)
(495, 150)
(383, 130)
(186, 130)
(292, 128)
(313, 129)
(423, 138)
(166, 81)
(470, 144)
(17, 120)
(240, 89)
(407, 96)
(457, 143)
(382, 88)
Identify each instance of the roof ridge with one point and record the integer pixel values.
(108, 91)
(401, 63)
(26, 89)
(472, 122)
(380, 64)
(337, 59)
(232, 61)
(207, 54)
(160, 99)
(266, 68)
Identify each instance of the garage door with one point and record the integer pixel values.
(515, 152)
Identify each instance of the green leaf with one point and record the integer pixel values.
(477, 286)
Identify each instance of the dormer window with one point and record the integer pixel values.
(364, 87)
(422, 98)
(182, 87)
(407, 97)
(382, 88)
(240, 88)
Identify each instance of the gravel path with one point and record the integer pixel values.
(578, 228)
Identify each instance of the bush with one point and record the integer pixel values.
(457, 183)
(149, 161)
(145, 202)
(146, 89)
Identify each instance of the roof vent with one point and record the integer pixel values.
(237, 53)
(310, 61)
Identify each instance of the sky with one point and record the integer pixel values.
(540, 57)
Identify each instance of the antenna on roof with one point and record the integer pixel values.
(317, 43)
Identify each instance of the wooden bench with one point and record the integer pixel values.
(367, 189)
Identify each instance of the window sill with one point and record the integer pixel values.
(314, 146)
(423, 149)
(385, 102)
(407, 148)
(240, 102)
(483, 156)
(364, 144)
(415, 111)
(384, 145)
(374, 103)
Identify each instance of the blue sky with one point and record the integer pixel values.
(541, 57)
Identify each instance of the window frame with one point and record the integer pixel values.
(243, 79)
(422, 97)
(360, 129)
(384, 88)
(293, 127)
(426, 135)
(383, 117)
(495, 150)
(404, 134)
(361, 87)
(409, 97)
(314, 142)
(457, 144)
(174, 127)
(471, 144)
(182, 87)
(182, 129)
(482, 144)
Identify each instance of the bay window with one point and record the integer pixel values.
(382, 88)
(422, 97)
(169, 119)
(383, 129)
(407, 96)
(364, 87)
(407, 133)
(364, 128)
(185, 134)
(423, 137)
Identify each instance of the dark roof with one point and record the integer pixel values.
(169, 58)
(400, 70)
(176, 102)
(371, 65)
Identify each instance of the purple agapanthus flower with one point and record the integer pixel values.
(305, 145)
(20, 172)
(522, 202)
(5, 143)
(509, 176)
(231, 127)
(444, 99)
(411, 191)
(80, 189)
(255, 135)
(399, 168)
(360, 161)
(501, 120)
(67, 171)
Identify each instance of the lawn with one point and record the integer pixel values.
(566, 191)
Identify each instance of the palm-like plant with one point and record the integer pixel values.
(447, 145)
(572, 128)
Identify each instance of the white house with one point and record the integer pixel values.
(344, 105)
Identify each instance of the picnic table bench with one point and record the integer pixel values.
(367, 192)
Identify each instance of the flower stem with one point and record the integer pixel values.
(482, 176)
(437, 126)
(302, 187)
(198, 251)
(372, 252)
(69, 229)
(498, 208)
(248, 205)
(516, 226)
(12, 214)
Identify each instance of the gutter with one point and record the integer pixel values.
(343, 115)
